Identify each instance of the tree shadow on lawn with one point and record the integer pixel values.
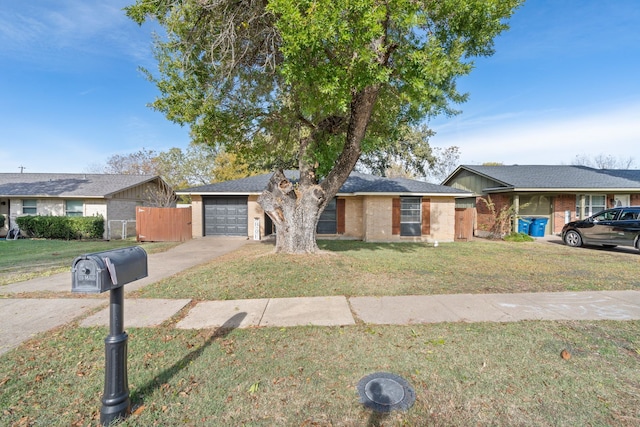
(357, 245)
(138, 396)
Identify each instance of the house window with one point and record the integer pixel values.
(327, 224)
(30, 207)
(410, 216)
(593, 203)
(73, 208)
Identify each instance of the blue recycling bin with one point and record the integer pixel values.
(537, 227)
(523, 225)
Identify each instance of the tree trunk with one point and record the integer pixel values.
(295, 213)
(295, 210)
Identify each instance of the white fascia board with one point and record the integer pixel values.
(560, 190)
(51, 196)
(217, 193)
(409, 194)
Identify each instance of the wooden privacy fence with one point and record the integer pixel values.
(464, 224)
(163, 224)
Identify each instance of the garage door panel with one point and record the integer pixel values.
(225, 216)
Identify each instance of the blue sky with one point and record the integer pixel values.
(565, 81)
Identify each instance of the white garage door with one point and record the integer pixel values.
(225, 216)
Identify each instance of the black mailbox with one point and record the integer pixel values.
(103, 271)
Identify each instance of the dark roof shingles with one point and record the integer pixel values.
(67, 185)
(559, 176)
(356, 183)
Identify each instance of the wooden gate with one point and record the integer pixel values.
(464, 224)
(163, 224)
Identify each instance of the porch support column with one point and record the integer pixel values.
(516, 211)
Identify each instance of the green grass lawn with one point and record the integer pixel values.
(481, 374)
(369, 269)
(25, 259)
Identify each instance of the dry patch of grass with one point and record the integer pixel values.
(463, 374)
(369, 269)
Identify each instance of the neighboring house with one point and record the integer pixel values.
(559, 193)
(115, 197)
(366, 208)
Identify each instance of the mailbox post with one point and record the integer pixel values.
(110, 271)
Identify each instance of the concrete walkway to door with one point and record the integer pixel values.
(160, 265)
(23, 318)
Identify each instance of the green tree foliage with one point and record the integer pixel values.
(409, 156)
(313, 82)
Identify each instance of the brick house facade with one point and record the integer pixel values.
(558, 193)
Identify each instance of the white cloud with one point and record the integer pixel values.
(547, 138)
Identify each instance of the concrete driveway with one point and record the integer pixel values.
(23, 318)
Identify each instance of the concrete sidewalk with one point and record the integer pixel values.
(398, 310)
(160, 265)
(22, 318)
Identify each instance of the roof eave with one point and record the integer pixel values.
(406, 194)
(218, 193)
(556, 190)
(52, 196)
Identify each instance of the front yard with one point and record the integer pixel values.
(25, 259)
(369, 269)
(482, 374)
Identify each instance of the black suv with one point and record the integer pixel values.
(609, 228)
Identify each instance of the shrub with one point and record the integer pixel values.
(62, 227)
(518, 237)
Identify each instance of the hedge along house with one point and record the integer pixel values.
(559, 193)
(366, 208)
(115, 197)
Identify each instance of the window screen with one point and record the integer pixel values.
(73, 207)
(410, 216)
(327, 224)
(30, 207)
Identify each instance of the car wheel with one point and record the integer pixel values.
(573, 238)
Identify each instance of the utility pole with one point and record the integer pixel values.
(22, 168)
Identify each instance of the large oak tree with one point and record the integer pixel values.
(313, 83)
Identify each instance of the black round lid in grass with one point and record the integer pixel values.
(385, 392)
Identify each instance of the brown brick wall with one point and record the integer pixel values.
(485, 217)
(562, 203)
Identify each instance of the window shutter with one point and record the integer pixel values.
(340, 213)
(395, 217)
(426, 216)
